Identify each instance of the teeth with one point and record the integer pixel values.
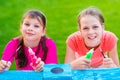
(92, 37)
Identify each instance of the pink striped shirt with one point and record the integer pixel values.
(75, 41)
(11, 48)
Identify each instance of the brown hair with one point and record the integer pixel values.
(22, 59)
(91, 11)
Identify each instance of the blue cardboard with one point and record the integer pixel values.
(57, 72)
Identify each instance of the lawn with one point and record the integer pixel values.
(61, 18)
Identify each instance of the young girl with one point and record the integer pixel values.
(91, 34)
(33, 29)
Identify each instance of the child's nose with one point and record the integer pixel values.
(30, 28)
(91, 31)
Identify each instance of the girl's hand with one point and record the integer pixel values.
(4, 65)
(39, 66)
(80, 63)
(108, 63)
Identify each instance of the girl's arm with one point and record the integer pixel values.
(70, 55)
(10, 50)
(80, 63)
(113, 54)
(52, 53)
(113, 60)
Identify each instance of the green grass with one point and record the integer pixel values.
(61, 18)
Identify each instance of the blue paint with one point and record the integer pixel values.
(20, 75)
(57, 72)
(97, 74)
(62, 72)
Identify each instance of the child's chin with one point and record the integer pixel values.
(92, 45)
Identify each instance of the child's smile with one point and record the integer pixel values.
(91, 30)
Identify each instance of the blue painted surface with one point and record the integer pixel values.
(67, 74)
(97, 74)
(21, 75)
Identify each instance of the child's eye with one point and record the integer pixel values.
(85, 28)
(27, 24)
(95, 27)
(36, 26)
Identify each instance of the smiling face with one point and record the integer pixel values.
(91, 30)
(32, 29)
